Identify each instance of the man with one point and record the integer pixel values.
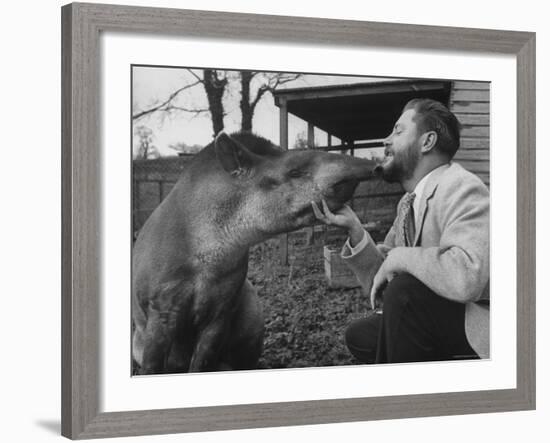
(432, 271)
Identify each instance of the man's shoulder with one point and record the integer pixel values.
(456, 185)
(455, 177)
(459, 190)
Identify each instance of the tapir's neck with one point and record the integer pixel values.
(225, 245)
(221, 230)
(234, 237)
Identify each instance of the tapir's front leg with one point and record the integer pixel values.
(158, 338)
(162, 314)
(209, 346)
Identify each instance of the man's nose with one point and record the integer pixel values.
(386, 141)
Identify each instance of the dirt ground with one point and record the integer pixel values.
(305, 319)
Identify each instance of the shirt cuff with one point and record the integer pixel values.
(349, 251)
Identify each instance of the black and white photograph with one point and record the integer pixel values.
(294, 220)
(275, 221)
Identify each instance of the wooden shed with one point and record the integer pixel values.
(361, 115)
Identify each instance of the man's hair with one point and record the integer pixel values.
(432, 115)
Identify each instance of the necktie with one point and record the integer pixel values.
(405, 223)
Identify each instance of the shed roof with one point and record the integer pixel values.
(361, 111)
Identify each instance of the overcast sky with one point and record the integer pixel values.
(152, 85)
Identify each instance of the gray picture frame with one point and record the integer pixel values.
(81, 166)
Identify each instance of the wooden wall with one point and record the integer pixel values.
(152, 180)
(470, 103)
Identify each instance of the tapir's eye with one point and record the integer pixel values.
(295, 173)
(268, 183)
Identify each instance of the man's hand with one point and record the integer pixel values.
(344, 217)
(385, 274)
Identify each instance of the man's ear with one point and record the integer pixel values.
(234, 157)
(428, 141)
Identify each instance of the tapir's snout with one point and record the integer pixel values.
(343, 174)
(344, 189)
(361, 169)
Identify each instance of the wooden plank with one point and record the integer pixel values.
(473, 119)
(359, 89)
(475, 131)
(383, 215)
(475, 166)
(152, 176)
(526, 223)
(345, 147)
(368, 203)
(463, 84)
(376, 211)
(469, 107)
(474, 143)
(283, 143)
(166, 188)
(81, 220)
(69, 402)
(473, 154)
(378, 186)
(470, 96)
(484, 176)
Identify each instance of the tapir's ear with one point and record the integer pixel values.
(234, 157)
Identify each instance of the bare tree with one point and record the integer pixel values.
(146, 148)
(254, 86)
(301, 141)
(214, 83)
(267, 82)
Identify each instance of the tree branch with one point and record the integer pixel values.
(181, 108)
(279, 79)
(261, 91)
(194, 74)
(165, 103)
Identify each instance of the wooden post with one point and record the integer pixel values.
(329, 140)
(283, 125)
(159, 183)
(310, 135)
(352, 153)
(283, 142)
(342, 144)
(310, 145)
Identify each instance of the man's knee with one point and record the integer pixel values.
(398, 291)
(404, 289)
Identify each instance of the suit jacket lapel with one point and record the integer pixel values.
(427, 194)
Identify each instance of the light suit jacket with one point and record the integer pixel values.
(450, 253)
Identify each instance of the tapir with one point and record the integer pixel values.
(193, 307)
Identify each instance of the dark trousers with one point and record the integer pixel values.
(415, 325)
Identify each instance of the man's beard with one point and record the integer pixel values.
(400, 167)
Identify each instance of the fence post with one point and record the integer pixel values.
(283, 142)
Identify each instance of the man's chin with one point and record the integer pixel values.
(390, 173)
